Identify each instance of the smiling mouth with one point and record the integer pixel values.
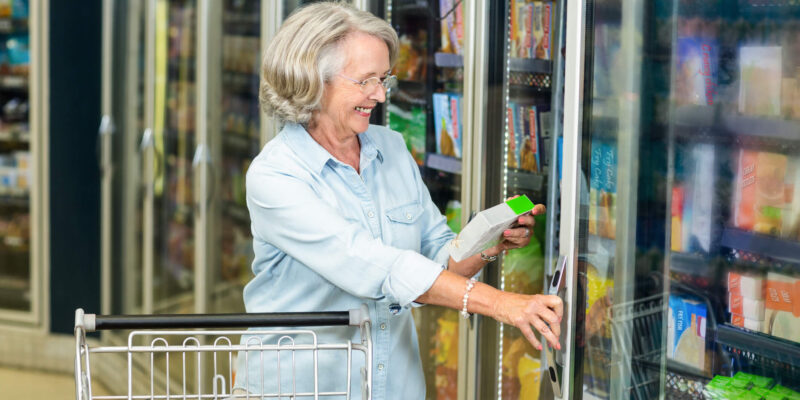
(365, 110)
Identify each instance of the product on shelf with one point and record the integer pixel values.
(603, 188)
(760, 198)
(697, 71)
(782, 317)
(530, 29)
(410, 65)
(790, 225)
(447, 121)
(760, 74)
(676, 218)
(411, 124)
(451, 12)
(524, 148)
(686, 331)
(746, 386)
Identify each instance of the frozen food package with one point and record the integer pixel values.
(702, 200)
(744, 192)
(770, 195)
(542, 14)
(790, 226)
(760, 75)
(697, 70)
(686, 331)
(746, 284)
(513, 160)
(782, 302)
(448, 141)
(486, 228)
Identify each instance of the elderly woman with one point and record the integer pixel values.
(340, 214)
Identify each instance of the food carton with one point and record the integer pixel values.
(486, 228)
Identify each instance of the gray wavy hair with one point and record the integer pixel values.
(305, 54)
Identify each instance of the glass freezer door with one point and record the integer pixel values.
(614, 182)
(427, 109)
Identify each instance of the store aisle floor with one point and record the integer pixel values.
(37, 385)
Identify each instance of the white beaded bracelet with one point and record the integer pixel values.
(470, 285)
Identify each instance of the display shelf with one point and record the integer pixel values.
(759, 344)
(412, 86)
(525, 180)
(239, 142)
(693, 120)
(13, 25)
(15, 135)
(533, 65)
(237, 212)
(412, 6)
(13, 82)
(768, 246)
(690, 264)
(448, 60)
(762, 127)
(14, 197)
(443, 163)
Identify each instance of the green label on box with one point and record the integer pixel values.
(520, 205)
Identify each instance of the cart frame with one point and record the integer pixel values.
(162, 332)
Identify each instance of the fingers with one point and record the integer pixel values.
(528, 333)
(547, 333)
(551, 319)
(539, 209)
(555, 304)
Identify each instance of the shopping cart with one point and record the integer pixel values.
(208, 371)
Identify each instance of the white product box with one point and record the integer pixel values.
(487, 227)
(746, 285)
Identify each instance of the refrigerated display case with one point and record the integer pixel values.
(427, 109)
(22, 163)
(524, 58)
(679, 199)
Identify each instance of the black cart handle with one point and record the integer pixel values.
(93, 322)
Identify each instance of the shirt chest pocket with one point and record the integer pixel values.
(405, 226)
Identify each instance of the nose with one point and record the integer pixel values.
(378, 93)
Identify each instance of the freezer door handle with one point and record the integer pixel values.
(555, 361)
(103, 147)
(202, 157)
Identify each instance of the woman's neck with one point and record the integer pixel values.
(344, 147)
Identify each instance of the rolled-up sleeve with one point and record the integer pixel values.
(341, 250)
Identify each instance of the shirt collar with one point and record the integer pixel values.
(301, 142)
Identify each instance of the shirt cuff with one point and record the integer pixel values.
(410, 277)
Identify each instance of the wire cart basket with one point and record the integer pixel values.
(193, 356)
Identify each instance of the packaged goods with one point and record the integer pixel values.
(486, 228)
(749, 285)
(411, 124)
(452, 30)
(760, 194)
(702, 200)
(782, 303)
(749, 308)
(447, 122)
(697, 69)
(542, 15)
(676, 218)
(686, 331)
(760, 74)
(790, 226)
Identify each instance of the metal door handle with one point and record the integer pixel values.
(555, 362)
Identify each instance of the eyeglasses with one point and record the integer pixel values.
(368, 85)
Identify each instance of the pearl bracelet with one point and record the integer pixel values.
(470, 285)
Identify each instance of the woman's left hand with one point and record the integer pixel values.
(520, 236)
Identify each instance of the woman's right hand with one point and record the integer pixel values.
(543, 312)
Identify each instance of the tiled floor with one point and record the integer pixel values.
(36, 385)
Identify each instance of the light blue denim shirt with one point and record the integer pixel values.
(329, 239)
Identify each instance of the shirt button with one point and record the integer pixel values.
(380, 367)
(408, 216)
(371, 214)
(383, 326)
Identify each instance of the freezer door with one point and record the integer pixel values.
(614, 179)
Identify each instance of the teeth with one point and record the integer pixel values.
(364, 110)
